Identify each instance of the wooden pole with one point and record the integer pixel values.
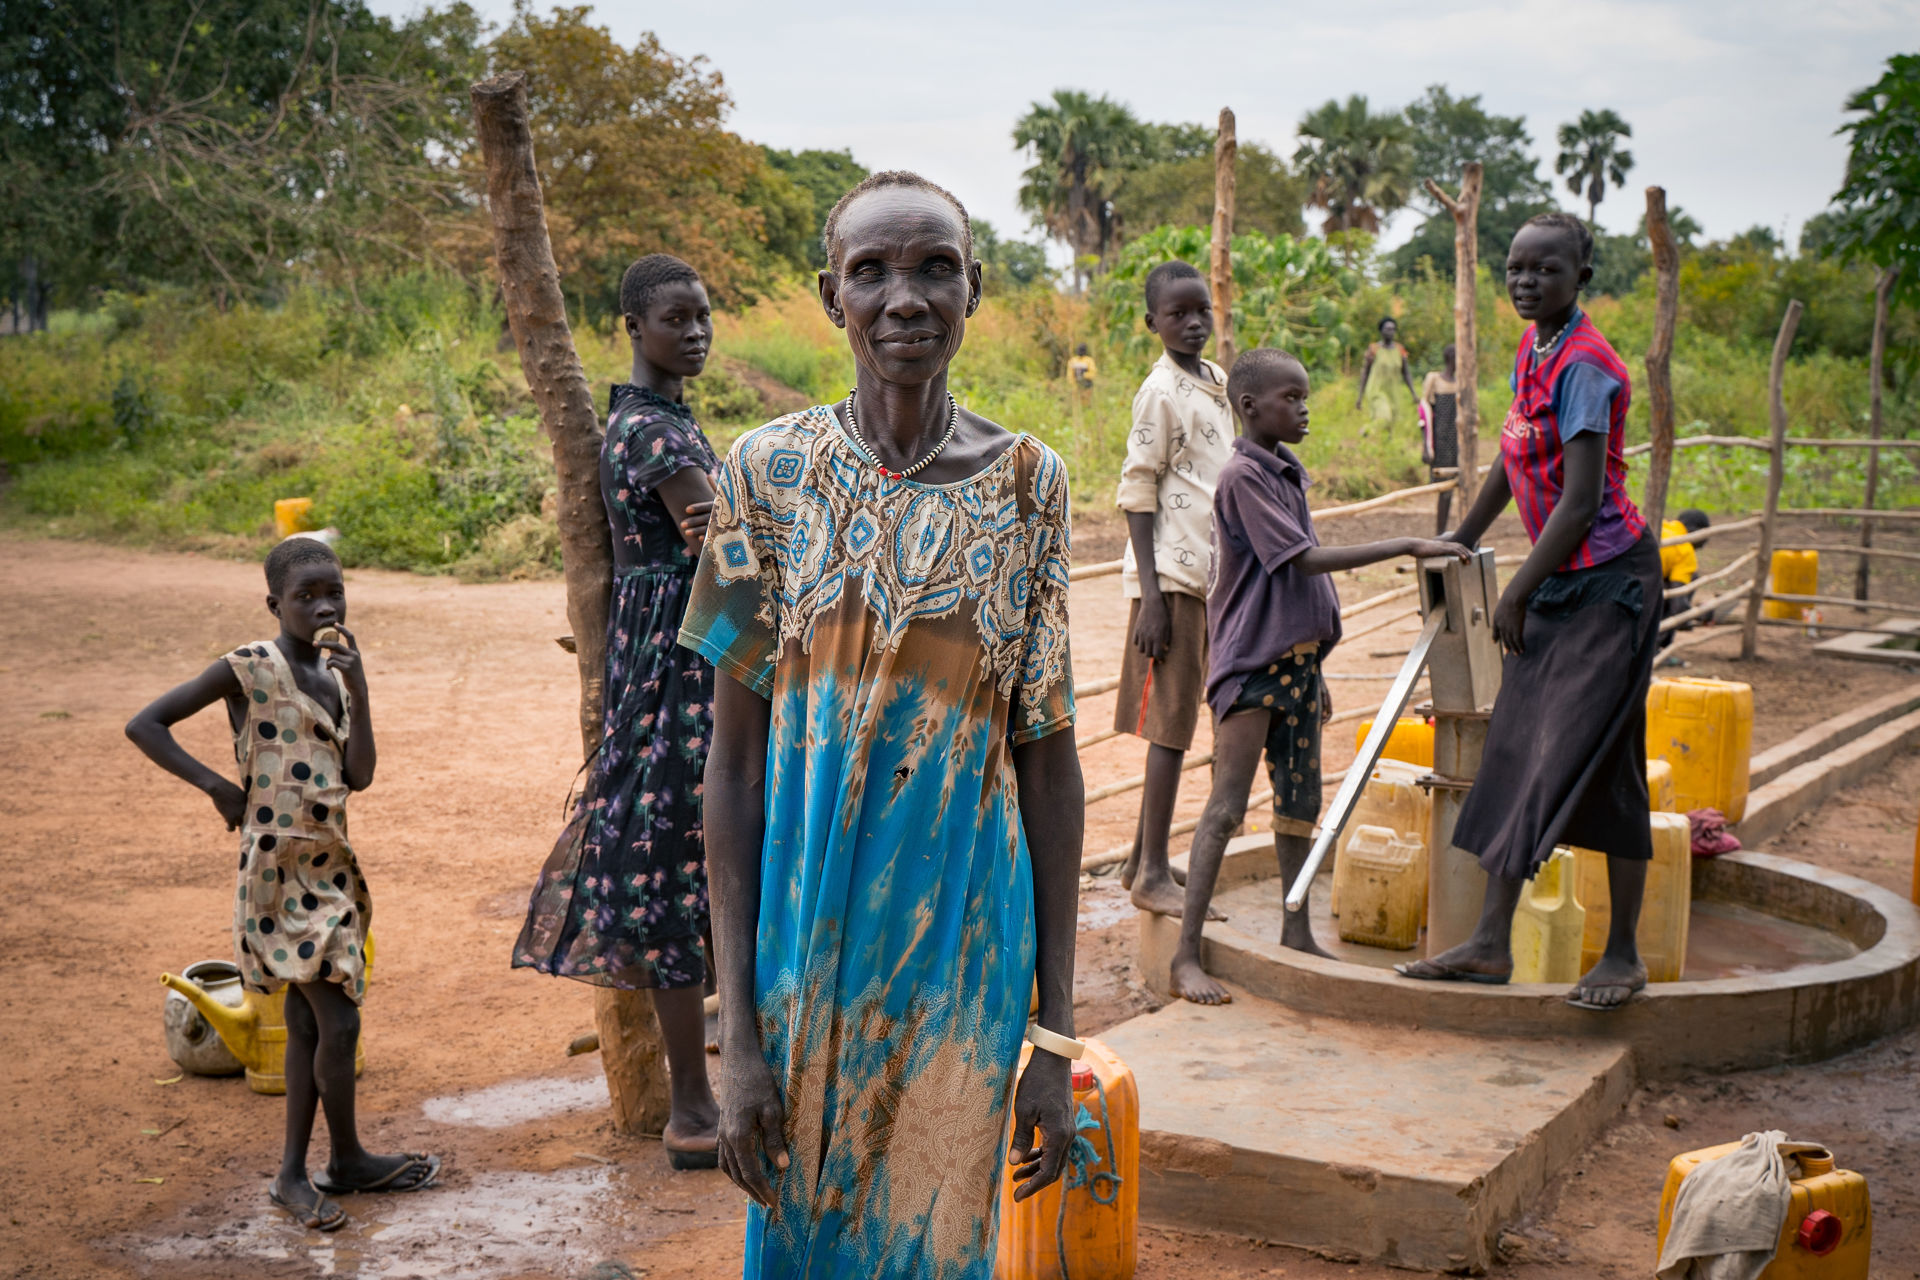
(1466, 352)
(537, 314)
(1777, 409)
(1666, 311)
(1225, 148)
(1882, 298)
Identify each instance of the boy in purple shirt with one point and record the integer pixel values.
(1272, 618)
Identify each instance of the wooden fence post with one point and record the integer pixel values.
(1777, 410)
(1226, 148)
(1666, 310)
(1466, 351)
(1876, 364)
(630, 1046)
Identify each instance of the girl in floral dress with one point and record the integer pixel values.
(622, 901)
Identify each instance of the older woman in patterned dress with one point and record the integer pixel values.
(894, 802)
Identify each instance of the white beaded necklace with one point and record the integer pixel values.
(953, 422)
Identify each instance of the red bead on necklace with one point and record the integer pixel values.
(953, 421)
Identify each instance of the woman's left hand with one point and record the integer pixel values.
(1509, 620)
(1044, 1101)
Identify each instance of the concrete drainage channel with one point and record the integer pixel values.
(1337, 1107)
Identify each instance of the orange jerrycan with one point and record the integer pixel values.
(1704, 729)
(1411, 741)
(1087, 1225)
(1828, 1232)
(1393, 798)
(1665, 910)
(1794, 573)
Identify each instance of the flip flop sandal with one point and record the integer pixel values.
(1578, 1003)
(681, 1161)
(386, 1185)
(310, 1218)
(1437, 972)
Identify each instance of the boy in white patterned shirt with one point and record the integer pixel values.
(1182, 434)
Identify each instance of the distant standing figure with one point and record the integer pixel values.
(1386, 360)
(1440, 445)
(622, 899)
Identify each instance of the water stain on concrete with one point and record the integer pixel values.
(512, 1102)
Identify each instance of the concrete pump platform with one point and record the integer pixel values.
(1336, 1106)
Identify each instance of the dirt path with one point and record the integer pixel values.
(113, 872)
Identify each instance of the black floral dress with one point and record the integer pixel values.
(622, 901)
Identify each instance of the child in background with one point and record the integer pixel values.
(1274, 616)
(1440, 446)
(1680, 564)
(1182, 435)
(303, 737)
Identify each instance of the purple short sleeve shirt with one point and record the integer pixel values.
(1259, 605)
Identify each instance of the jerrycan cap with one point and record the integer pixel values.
(1082, 1075)
(1820, 1233)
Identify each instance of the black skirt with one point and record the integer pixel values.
(1566, 753)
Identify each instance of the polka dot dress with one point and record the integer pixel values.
(301, 911)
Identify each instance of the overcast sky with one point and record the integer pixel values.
(1733, 103)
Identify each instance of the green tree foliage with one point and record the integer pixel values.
(1009, 264)
(1359, 163)
(635, 158)
(1288, 291)
(1879, 203)
(1178, 191)
(228, 145)
(1081, 147)
(824, 176)
(1591, 155)
(1447, 132)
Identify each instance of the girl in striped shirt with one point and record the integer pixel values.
(1565, 759)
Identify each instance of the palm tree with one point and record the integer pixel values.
(1081, 146)
(1360, 163)
(1591, 155)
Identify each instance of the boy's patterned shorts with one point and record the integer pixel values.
(1293, 695)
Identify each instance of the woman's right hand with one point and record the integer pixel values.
(229, 801)
(753, 1124)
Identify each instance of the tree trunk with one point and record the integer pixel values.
(1666, 310)
(1777, 410)
(1882, 298)
(1226, 148)
(1466, 349)
(537, 313)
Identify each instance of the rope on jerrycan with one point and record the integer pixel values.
(1103, 1186)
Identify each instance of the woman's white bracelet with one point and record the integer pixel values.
(1053, 1042)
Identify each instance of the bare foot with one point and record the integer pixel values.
(1296, 933)
(1190, 982)
(1609, 984)
(1166, 897)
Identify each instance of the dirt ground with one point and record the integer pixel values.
(115, 1168)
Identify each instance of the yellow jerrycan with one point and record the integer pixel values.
(290, 516)
(1087, 1225)
(1393, 798)
(255, 1030)
(1704, 729)
(1386, 893)
(1548, 925)
(1793, 573)
(1410, 741)
(1665, 910)
(1660, 797)
(1828, 1232)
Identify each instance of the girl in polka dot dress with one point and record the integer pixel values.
(297, 705)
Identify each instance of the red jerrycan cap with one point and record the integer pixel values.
(1082, 1075)
(1820, 1233)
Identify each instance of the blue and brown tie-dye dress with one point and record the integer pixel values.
(908, 635)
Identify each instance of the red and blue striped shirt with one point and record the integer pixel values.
(1580, 385)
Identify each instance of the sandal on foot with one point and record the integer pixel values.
(1434, 971)
(387, 1184)
(314, 1218)
(1575, 1000)
(698, 1158)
